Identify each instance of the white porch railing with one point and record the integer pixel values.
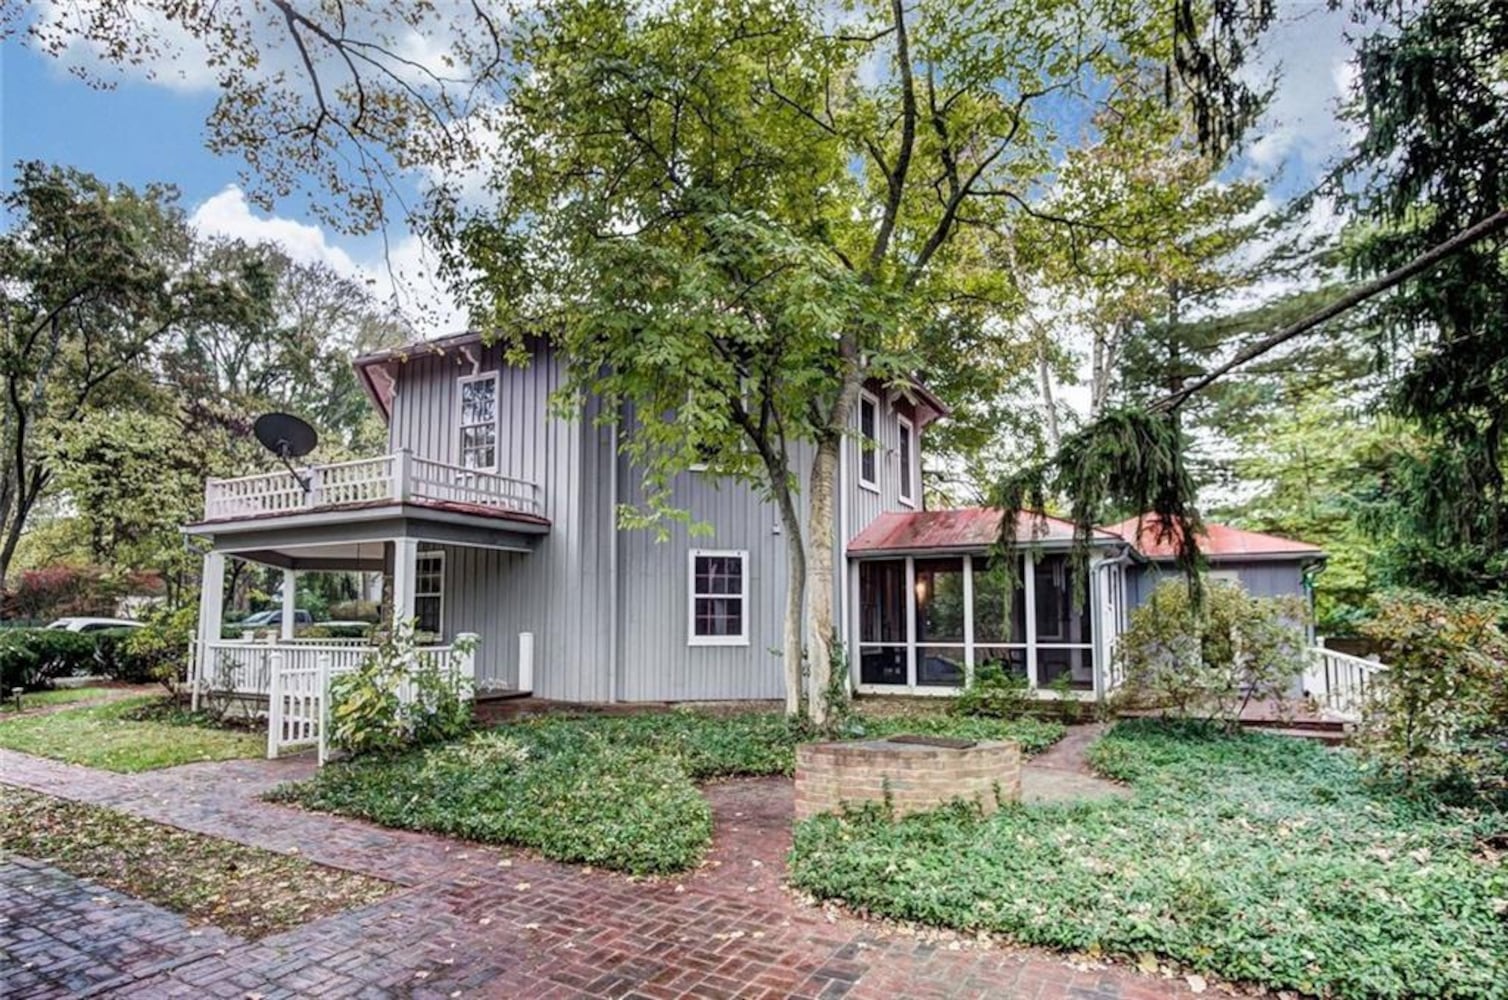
(389, 478)
(1338, 681)
(295, 677)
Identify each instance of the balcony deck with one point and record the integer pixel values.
(399, 478)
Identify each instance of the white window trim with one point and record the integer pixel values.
(873, 485)
(907, 475)
(434, 556)
(497, 412)
(692, 639)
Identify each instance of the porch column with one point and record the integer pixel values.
(405, 567)
(290, 601)
(1029, 570)
(211, 611)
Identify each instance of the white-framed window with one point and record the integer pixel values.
(429, 591)
(477, 422)
(905, 452)
(869, 441)
(719, 598)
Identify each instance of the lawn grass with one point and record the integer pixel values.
(245, 890)
(1253, 858)
(134, 734)
(612, 791)
(58, 696)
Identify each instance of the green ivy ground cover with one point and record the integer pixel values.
(1254, 858)
(613, 791)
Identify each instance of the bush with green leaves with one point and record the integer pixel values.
(1255, 858)
(1209, 658)
(994, 692)
(1438, 715)
(398, 698)
(32, 657)
(159, 649)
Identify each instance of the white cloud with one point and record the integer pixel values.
(1301, 130)
(403, 277)
(181, 61)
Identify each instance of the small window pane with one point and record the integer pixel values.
(939, 666)
(1075, 664)
(867, 450)
(886, 665)
(882, 602)
(939, 600)
(478, 401)
(992, 615)
(1062, 605)
(905, 454)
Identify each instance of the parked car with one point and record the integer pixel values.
(92, 624)
(270, 618)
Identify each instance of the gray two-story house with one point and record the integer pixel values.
(493, 515)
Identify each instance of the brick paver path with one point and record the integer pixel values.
(475, 921)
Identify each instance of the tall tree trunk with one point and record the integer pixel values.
(795, 599)
(1049, 404)
(821, 540)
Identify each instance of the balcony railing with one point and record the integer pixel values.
(396, 478)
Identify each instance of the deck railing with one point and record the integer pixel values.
(294, 676)
(394, 478)
(1338, 681)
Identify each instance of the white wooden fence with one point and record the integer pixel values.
(298, 702)
(1338, 681)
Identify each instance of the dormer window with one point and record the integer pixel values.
(478, 423)
(869, 418)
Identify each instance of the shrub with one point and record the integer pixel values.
(1210, 659)
(994, 692)
(32, 657)
(1439, 714)
(159, 649)
(397, 698)
(61, 591)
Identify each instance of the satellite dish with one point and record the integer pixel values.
(287, 437)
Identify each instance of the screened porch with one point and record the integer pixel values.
(926, 622)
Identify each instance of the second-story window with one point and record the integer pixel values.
(478, 423)
(907, 495)
(869, 418)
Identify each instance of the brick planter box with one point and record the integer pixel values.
(916, 777)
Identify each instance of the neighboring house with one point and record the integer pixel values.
(494, 515)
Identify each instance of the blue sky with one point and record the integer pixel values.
(153, 129)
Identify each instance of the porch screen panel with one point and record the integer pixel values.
(940, 629)
(882, 622)
(999, 625)
(1065, 640)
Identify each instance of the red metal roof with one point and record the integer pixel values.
(962, 528)
(1219, 541)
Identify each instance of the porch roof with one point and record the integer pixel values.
(961, 529)
(351, 538)
(1217, 542)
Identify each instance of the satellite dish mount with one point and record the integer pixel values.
(287, 437)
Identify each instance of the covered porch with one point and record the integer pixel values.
(441, 570)
(931, 606)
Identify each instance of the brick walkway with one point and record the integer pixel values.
(477, 921)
